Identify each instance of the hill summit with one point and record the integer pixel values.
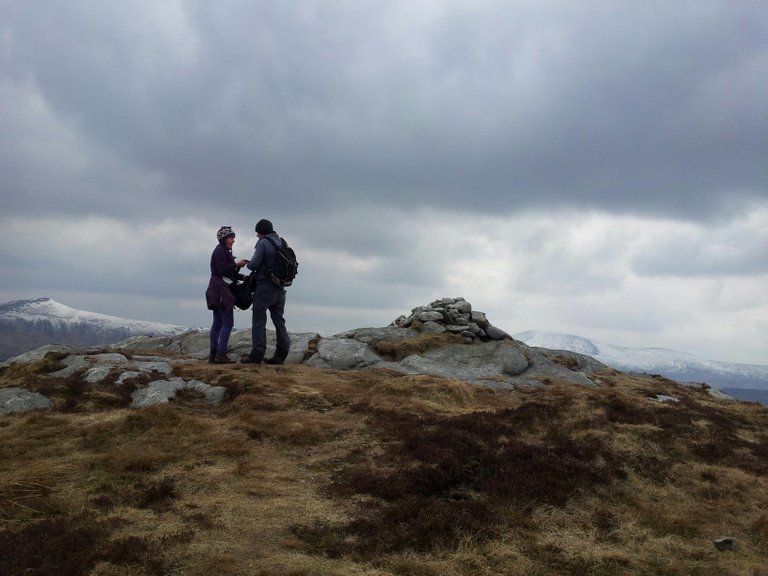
(360, 458)
(322, 471)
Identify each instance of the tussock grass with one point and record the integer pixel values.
(316, 472)
(25, 490)
(401, 349)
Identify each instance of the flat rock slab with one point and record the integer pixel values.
(38, 354)
(143, 358)
(126, 376)
(110, 358)
(196, 344)
(487, 363)
(501, 364)
(343, 354)
(97, 374)
(72, 365)
(21, 400)
(98, 367)
(162, 391)
(373, 336)
(162, 367)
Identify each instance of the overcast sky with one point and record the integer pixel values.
(597, 167)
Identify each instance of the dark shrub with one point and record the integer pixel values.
(446, 477)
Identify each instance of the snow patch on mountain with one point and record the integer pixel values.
(51, 311)
(28, 324)
(673, 364)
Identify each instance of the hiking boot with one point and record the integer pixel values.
(250, 360)
(275, 361)
(222, 358)
(212, 357)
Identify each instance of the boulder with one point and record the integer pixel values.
(479, 318)
(431, 316)
(21, 400)
(432, 328)
(463, 306)
(496, 333)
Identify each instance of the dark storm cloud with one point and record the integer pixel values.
(487, 107)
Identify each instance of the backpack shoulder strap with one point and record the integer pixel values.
(274, 244)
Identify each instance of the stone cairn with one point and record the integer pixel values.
(453, 315)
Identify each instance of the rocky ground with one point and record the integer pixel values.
(500, 364)
(380, 451)
(445, 338)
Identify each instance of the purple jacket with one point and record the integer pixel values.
(218, 294)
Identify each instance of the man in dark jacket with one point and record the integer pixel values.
(267, 296)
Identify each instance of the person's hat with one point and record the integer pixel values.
(264, 227)
(224, 232)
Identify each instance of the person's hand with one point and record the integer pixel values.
(241, 263)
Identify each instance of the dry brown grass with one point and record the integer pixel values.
(423, 342)
(318, 472)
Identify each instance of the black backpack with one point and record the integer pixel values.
(286, 267)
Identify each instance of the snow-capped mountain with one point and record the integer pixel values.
(679, 366)
(28, 324)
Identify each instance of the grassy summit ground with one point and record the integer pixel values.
(315, 472)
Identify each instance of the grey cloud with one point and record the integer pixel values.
(389, 135)
(361, 231)
(625, 108)
(704, 256)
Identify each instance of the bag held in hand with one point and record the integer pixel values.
(286, 266)
(243, 292)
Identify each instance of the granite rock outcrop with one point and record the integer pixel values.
(446, 338)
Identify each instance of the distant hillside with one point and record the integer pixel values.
(748, 394)
(672, 364)
(28, 324)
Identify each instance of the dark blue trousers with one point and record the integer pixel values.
(269, 296)
(223, 322)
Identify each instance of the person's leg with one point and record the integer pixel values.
(227, 323)
(277, 314)
(215, 332)
(261, 302)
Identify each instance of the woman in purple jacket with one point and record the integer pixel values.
(219, 297)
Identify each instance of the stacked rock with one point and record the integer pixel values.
(453, 315)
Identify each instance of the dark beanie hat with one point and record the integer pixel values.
(264, 227)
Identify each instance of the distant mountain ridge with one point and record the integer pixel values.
(28, 324)
(679, 366)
